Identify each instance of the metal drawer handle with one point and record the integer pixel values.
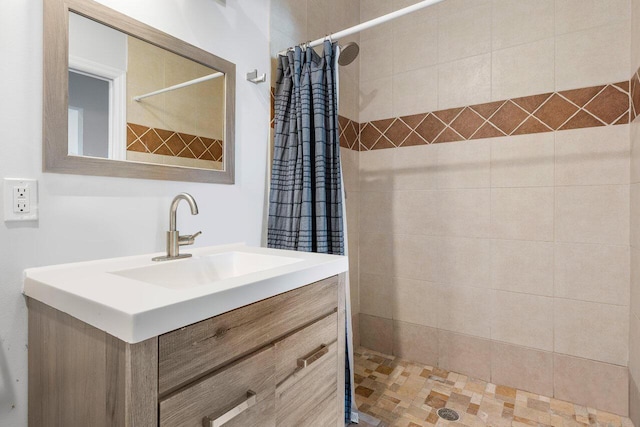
(233, 412)
(306, 361)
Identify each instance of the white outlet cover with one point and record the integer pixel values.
(9, 184)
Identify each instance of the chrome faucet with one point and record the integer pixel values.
(174, 239)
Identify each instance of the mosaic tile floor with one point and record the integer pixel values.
(406, 394)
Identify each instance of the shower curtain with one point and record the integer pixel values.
(306, 197)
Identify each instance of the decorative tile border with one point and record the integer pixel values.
(571, 109)
(144, 139)
(634, 94)
(349, 133)
(603, 105)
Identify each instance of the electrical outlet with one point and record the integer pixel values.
(20, 199)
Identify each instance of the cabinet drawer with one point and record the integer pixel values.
(302, 344)
(307, 395)
(193, 351)
(243, 394)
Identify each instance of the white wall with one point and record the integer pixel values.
(84, 218)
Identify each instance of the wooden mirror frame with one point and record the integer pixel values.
(55, 151)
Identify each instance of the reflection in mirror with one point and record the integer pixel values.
(131, 100)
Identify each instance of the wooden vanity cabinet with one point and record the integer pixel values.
(277, 362)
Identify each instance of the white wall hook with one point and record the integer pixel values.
(254, 78)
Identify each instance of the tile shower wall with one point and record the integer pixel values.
(504, 258)
(296, 21)
(634, 312)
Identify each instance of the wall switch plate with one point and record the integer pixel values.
(20, 199)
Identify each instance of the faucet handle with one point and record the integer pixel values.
(188, 239)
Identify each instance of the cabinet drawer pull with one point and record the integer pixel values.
(231, 413)
(306, 361)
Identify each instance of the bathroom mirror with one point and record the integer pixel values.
(124, 99)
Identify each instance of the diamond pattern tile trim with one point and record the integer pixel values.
(144, 139)
(603, 105)
(572, 109)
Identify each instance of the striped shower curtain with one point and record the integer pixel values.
(305, 201)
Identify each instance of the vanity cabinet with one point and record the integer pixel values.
(277, 362)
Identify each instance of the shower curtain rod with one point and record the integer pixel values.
(371, 23)
(178, 86)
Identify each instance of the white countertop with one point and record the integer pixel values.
(134, 310)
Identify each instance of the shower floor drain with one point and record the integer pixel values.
(448, 414)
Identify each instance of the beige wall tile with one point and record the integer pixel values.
(591, 330)
(635, 47)
(290, 18)
(465, 310)
(522, 161)
(464, 82)
(375, 55)
(464, 354)
(522, 213)
(464, 164)
(635, 281)
(634, 235)
(415, 342)
(634, 130)
(464, 262)
(585, 382)
(594, 273)
(346, 14)
(413, 212)
(414, 17)
(415, 91)
(415, 257)
(375, 171)
(375, 253)
(376, 293)
(414, 301)
(376, 99)
(355, 328)
(415, 41)
(376, 333)
(592, 156)
(634, 346)
(522, 266)
(320, 14)
(349, 97)
(523, 70)
(353, 209)
(592, 214)
(601, 54)
(354, 280)
(448, 7)
(522, 368)
(464, 33)
(634, 401)
(376, 212)
(465, 213)
(415, 168)
(516, 22)
(575, 15)
(523, 319)
(349, 160)
(371, 9)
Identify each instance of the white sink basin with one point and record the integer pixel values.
(134, 298)
(204, 270)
